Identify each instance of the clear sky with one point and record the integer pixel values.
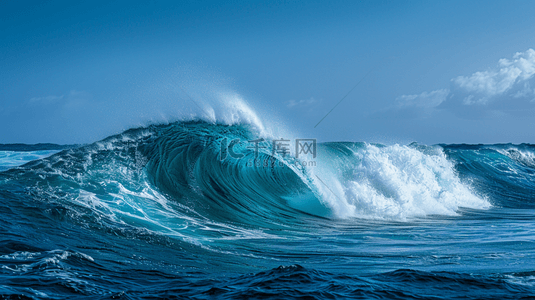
(441, 71)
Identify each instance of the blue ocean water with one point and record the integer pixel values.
(165, 211)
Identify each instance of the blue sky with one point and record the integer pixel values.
(441, 71)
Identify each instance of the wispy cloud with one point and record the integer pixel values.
(506, 88)
(65, 100)
(425, 99)
(294, 104)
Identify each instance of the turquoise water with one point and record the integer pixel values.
(10, 159)
(165, 211)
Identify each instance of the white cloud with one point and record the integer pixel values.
(72, 97)
(425, 99)
(510, 75)
(507, 88)
(301, 103)
(526, 91)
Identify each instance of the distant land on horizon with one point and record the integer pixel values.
(35, 147)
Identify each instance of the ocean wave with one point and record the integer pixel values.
(169, 177)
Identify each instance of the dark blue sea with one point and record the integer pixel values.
(201, 210)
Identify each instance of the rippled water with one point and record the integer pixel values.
(155, 212)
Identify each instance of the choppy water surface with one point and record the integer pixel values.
(156, 212)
